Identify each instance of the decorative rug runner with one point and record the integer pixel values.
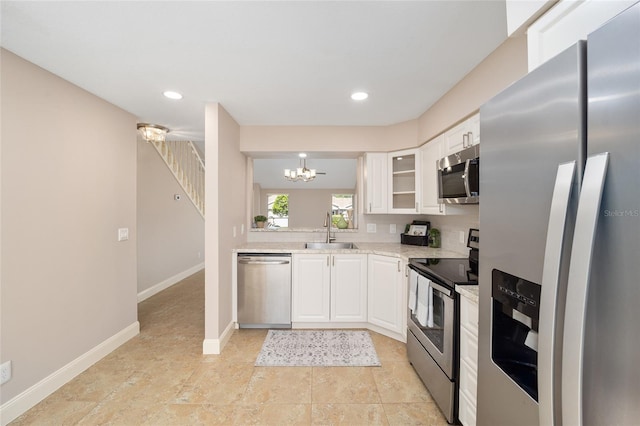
(318, 348)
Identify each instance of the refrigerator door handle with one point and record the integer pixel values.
(565, 178)
(578, 286)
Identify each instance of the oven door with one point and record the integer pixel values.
(438, 335)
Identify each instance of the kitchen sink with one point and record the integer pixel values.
(330, 246)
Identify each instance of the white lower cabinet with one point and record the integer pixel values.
(387, 293)
(468, 361)
(329, 287)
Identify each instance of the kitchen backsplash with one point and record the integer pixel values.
(449, 226)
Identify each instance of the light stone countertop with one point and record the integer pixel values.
(402, 251)
(468, 291)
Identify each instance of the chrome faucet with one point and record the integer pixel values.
(327, 224)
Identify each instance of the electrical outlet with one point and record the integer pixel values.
(199, 255)
(371, 227)
(462, 238)
(392, 228)
(242, 229)
(5, 372)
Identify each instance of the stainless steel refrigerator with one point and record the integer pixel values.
(559, 277)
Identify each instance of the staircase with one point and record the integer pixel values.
(187, 166)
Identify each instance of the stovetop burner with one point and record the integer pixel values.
(450, 270)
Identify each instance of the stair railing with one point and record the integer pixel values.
(187, 166)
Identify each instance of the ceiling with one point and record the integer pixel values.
(266, 62)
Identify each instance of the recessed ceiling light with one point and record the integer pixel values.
(172, 95)
(359, 96)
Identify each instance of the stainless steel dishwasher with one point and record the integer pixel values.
(264, 290)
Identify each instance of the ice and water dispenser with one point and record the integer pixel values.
(514, 335)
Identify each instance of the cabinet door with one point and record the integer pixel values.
(462, 136)
(430, 153)
(386, 292)
(468, 361)
(473, 128)
(311, 287)
(404, 181)
(349, 287)
(454, 139)
(376, 182)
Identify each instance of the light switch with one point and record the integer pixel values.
(371, 227)
(123, 234)
(234, 232)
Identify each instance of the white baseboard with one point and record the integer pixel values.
(215, 346)
(19, 404)
(157, 288)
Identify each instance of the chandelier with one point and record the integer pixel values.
(152, 132)
(301, 173)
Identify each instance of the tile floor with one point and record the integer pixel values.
(161, 378)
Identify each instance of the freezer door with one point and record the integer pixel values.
(610, 373)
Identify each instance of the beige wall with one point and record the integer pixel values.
(68, 184)
(336, 139)
(503, 66)
(226, 201)
(170, 233)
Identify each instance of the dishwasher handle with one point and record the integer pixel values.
(251, 261)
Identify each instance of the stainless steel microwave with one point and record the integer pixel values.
(458, 177)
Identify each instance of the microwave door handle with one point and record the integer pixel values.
(465, 176)
(578, 286)
(553, 260)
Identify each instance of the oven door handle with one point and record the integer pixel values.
(447, 292)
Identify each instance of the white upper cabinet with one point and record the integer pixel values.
(404, 181)
(430, 153)
(462, 136)
(521, 13)
(376, 181)
(565, 24)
